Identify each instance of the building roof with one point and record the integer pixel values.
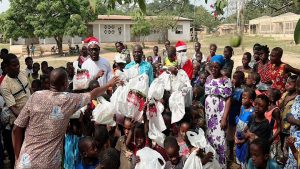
(126, 17)
(286, 17)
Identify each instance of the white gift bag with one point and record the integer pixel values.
(132, 72)
(156, 89)
(193, 161)
(81, 79)
(149, 159)
(166, 78)
(199, 140)
(177, 107)
(104, 113)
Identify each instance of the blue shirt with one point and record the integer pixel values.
(236, 103)
(144, 67)
(270, 165)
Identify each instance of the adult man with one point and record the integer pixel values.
(45, 117)
(98, 67)
(183, 61)
(15, 91)
(144, 67)
(123, 53)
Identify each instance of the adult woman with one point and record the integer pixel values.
(263, 66)
(218, 89)
(279, 70)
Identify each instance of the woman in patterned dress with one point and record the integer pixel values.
(218, 89)
(280, 71)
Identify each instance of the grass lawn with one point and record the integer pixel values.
(4, 45)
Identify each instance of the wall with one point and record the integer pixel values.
(185, 36)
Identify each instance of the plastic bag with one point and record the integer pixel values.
(104, 113)
(132, 72)
(77, 114)
(166, 78)
(81, 79)
(199, 140)
(177, 107)
(193, 161)
(156, 89)
(149, 159)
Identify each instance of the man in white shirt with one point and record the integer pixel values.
(99, 68)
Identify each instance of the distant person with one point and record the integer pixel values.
(55, 106)
(123, 52)
(84, 55)
(3, 53)
(165, 51)
(245, 61)
(44, 66)
(156, 58)
(28, 50)
(32, 49)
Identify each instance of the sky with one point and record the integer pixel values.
(4, 5)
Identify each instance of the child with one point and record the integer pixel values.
(36, 85)
(294, 119)
(150, 60)
(242, 121)
(260, 150)
(235, 107)
(35, 72)
(252, 80)
(102, 138)
(71, 71)
(28, 62)
(184, 127)
(109, 160)
(71, 144)
(198, 117)
(125, 153)
(228, 52)
(273, 116)
(258, 125)
(245, 68)
(88, 153)
(156, 58)
(212, 51)
(45, 82)
(285, 104)
(195, 77)
(44, 66)
(198, 96)
(172, 149)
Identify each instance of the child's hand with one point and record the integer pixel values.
(138, 159)
(208, 158)
(290, 118)
(290, 141)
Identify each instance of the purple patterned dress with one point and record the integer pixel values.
(216, 91)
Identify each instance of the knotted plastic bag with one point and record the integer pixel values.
(177, 106)
(198, 139)
(104, 113)
(149, 159)
(81, 79)
(132, 72)
(193, 161)
(166, 78)
(156, 89)
(156, 122)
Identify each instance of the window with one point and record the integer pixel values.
(289, 27)
(179, 29)
(109, 29)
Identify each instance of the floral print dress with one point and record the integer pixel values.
(216, 90)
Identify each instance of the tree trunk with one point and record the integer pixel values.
(59, 41)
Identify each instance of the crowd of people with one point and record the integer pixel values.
(164, 111)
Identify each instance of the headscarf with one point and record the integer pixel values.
(218, 59)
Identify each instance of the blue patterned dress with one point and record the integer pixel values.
(294, 131)
(216, 91)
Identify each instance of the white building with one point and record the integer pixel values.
(282, 26)
(113, 28)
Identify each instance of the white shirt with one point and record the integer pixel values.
(95, 66)
(28, 71)
(204, 58)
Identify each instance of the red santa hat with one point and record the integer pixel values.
(180, 45)
(91, 40)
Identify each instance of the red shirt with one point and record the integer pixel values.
(188, 68)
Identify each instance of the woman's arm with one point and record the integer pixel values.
(289, 68)
(226, 113)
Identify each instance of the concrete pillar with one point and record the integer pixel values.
(124, 33)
